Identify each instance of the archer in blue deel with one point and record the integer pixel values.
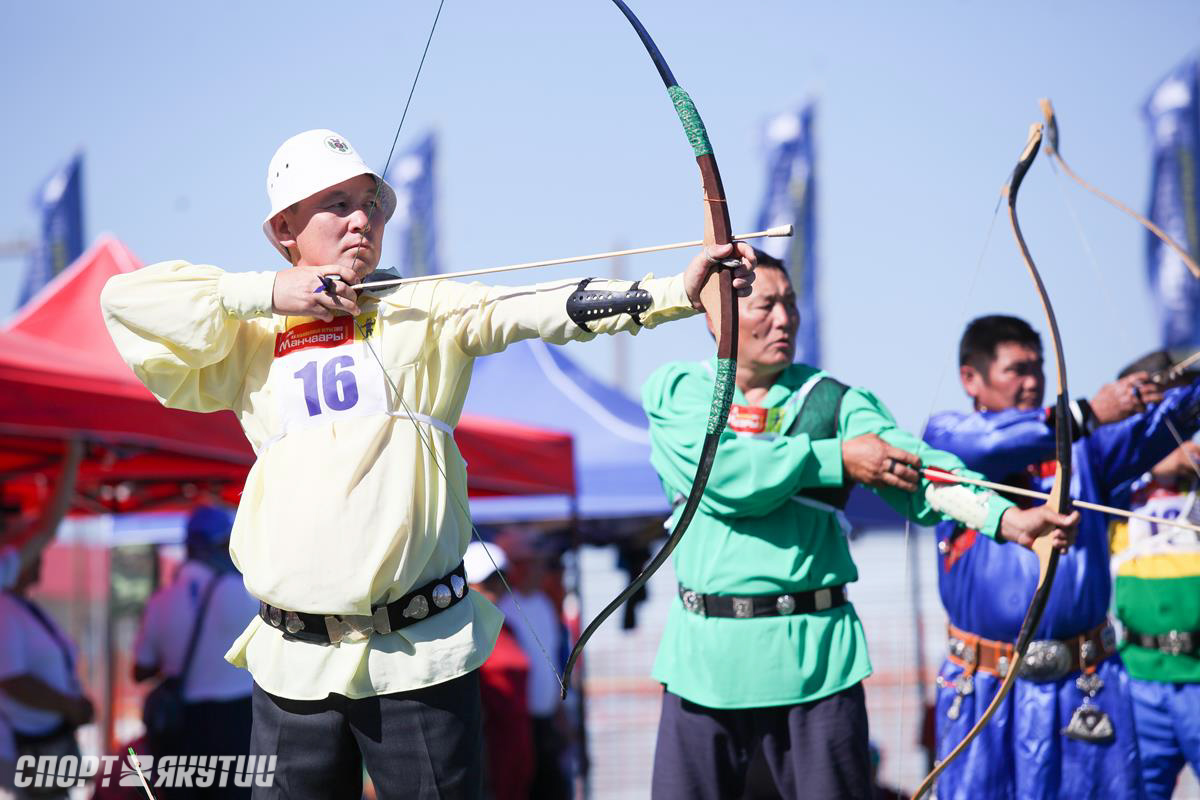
(354, 519)
(1067, 728)
(1156, 583)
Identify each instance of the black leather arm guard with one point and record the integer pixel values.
(584, 306)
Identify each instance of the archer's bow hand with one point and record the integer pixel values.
(1026, 525)
(315, 292)
(717, 257)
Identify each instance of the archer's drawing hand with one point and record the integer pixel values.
(871, 461)
(1125, 397)
(299, 291)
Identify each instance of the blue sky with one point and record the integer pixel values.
(556, 138)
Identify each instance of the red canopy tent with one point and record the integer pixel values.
(61, 376)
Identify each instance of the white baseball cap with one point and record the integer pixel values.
(309, 162)
(482, 560)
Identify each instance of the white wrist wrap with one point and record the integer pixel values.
(1077, 415)
(959, 503)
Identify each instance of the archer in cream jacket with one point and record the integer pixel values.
(358, 495)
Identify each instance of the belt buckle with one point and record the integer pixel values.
(960, 650)
(743, 607)
(822, 599)
(1176, 642)
(1045, 660)
(381, 621)
(294, 624)
(693, 602)
(349, 627)
(1108, 638)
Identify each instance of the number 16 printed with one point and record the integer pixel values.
(335, 385)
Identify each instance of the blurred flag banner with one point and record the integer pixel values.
(60, 202)
(791, 197)
(1173, 114)
(413, 225)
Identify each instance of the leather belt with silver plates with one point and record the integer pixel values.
(762, 605)
(421, 603)
(1045, 660)
(1173, 643)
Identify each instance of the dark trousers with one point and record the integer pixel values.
(549, 780)
(426, 743)
(811, 750)
(212, 728)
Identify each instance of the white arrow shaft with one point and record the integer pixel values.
(781, 230)
(937, 475)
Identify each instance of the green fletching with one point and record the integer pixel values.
(693, 126)
(722, 395)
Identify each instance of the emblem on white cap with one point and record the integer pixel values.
(338, 144)
(309, 162)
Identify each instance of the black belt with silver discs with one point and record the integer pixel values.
(1174, 643)
(762, 605)
(421, 603)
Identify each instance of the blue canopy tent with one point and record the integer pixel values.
(538, 384)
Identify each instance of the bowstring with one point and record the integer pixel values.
(1098, 278)
(1044, 300)
(910, 648)
(427, 443)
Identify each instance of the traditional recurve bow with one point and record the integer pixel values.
(1052, 149)
(1059, 500)
(719, 299)
(717, 231)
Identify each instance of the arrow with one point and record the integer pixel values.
(145, 785)
(781, 230)
(941, 476)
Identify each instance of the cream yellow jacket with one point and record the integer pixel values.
(345, 506)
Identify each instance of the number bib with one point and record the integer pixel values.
(1162, 503)
(324, 372)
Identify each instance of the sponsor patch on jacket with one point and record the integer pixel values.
(318, 333)
(959, 545)
(755, 419)
(1046, 469)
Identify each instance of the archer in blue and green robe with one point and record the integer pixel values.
(986, 588)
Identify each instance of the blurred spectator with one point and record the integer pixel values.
(22, 541)
(503, 685)
(632, 557)
(41, 698)
(882, 791)
(202, 705)
(539, 628)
